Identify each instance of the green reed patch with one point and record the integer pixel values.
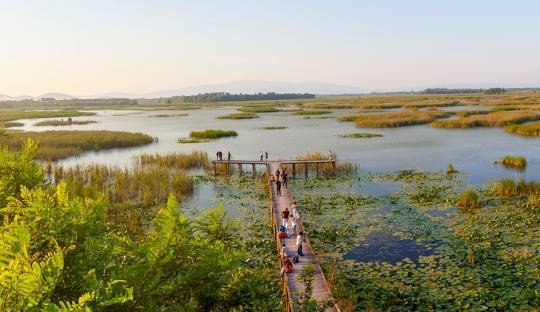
(239, 116)
(62, 122)
(311, 112)
(259, 109)
(531, 129)
(513, 161)
(274, 128)
(212, 134)
(361, 135)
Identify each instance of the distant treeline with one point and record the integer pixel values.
(459, 91)
(227, 97)
(66, 103)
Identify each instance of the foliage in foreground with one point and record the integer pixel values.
(59, 253)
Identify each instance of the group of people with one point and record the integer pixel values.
(219, 155)
(263, 156)
(290, 217)
(281, 178)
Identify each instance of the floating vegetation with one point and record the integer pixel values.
(274, 128)
(494, 119)
(311, 112)
(62, 122)
(259, 109)
(398, 119)
(319, 117)
(531, 129)
(450, 169)
(361, 135)
(512, 161)
(189, 141)
(167, 115)
(212, 134)
(54, 145)
(239, 116)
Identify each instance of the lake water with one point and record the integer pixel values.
(471, 151)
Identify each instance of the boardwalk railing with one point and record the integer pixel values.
(254, 163)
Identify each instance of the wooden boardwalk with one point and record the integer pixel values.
(294, 286)
(268, 163)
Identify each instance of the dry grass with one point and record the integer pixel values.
(398, 119)
(54, 145)
(494, 119)
(532, 129)
(197, 159)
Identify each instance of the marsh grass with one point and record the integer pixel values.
(329, 106)
(54, 145)
(467, 113)
(11, 124)
(531, 129)
(196, 159)
(212, 134)
(62, 122)
(509, 188)
(274, 128)
(167, 115)
(398, 119)
(9, 115)
(311, 112)
(346, 118)
(450, 169)
(361, 135)
(468, 200)
(513, 161)
(259, 109)
(493, 119)
(239, 116)
(191, 141)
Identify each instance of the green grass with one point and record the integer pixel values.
(62, 122)
(510, 188)
(10, 124)
(190, 141)
(493, 119)
(9, 115)
(361, 135)
(468, 200)
(347, 118)
(239, 116)
(513, 161)
(311, 112)
(274, 128)
(196, 159)
(398, 119)
(54, 145)
(212, 134)
(531, 129)
(259, 109)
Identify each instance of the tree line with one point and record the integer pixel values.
(227, 97)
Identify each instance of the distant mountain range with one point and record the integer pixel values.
(243, 86)
(240, 86)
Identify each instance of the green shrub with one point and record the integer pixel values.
(468, 200)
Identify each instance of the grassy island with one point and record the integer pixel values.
(62, 122)
(531, 129)
(494, 119)
(398, 119)
(239, 116)
(361, 135)
(258, 109)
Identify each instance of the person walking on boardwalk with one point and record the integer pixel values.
(229, 156)
(293, 223)
(285, 215)
(330, 154)
(295, 212)
(283, 252)
(299, 240)
(284, 177)
(217, 155)
(261, 156)
(278, 173)
(266, 155)
(278, 187)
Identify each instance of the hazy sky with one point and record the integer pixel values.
(91, 47)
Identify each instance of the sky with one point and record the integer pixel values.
(95, 47)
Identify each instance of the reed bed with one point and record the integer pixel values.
(11, 124)
(531, 129)
(239, 116)
(196, 159)
(311, 112)
(399, 119)
(325, 169)
(329, 106)
(346, 118)
(361, 135)
(510, 188)
(274, 128)
(467, 113)
(9, 115)
(468, 200)
(212, 134)
(54, 145)
(259, 109)
(62, 122)
(146, 186)
(513, 161)
(494, 119)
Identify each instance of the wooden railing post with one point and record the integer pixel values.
(240, 168)
(254, 169)
(294, 170)
(306, 170)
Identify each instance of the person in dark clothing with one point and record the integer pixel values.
(278, 187)
(278, 173)
(266, 155)
(229, 156)
(284, 177)
(217, 155)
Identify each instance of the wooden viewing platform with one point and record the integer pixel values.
(292, 285)
(269, 163)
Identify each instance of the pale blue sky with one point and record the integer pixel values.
(91, 47)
